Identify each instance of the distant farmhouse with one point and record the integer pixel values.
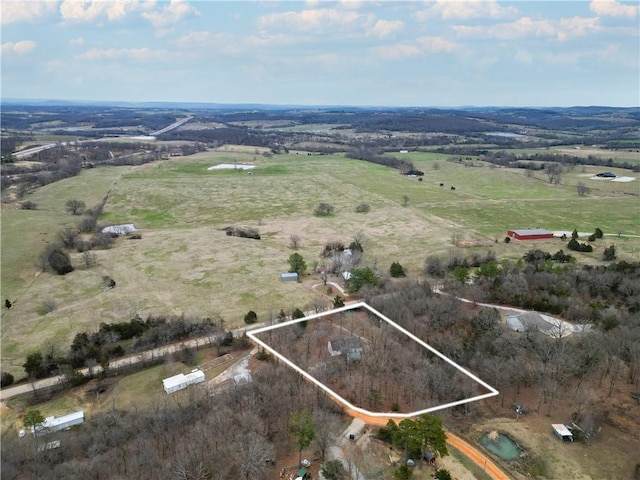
(530, 234)
(182, 381)
(349, 347)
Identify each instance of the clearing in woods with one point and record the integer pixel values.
(370, 364)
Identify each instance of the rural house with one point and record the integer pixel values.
(349, 347)
(55, 424)
(182, 381)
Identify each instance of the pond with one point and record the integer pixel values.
(500, 445)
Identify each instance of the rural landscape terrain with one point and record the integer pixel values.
(143, 241)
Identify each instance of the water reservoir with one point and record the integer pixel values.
(500, 445)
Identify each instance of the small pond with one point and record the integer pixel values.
(500, 445)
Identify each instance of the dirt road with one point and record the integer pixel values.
(469, 451)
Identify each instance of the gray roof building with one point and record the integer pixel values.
(349, 347)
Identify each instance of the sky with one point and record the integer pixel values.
(446, 53)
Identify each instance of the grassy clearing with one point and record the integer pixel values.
(26, 232)
(185, 263)
(477, 471)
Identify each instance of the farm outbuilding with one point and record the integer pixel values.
(55, 424)
(562, 432)
(182, 381)
(530, 234)
(289, 277)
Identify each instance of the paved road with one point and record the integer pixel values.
(147, 355)
(170, 127)
(31, 151)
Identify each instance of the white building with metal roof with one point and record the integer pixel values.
(182, 381)
(55, 424)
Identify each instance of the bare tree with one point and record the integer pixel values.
(74, 206)
(255, 452)
(295, 241)
(405, 200)
(553, 171)
(582, 189)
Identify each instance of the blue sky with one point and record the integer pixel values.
(387, 53)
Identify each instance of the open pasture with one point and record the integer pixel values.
(185, 263)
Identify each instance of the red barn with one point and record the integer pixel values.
(530, 234)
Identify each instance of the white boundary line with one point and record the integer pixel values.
(252, 335)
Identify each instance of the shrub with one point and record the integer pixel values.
(102, 240)
(403, 473)
(6, 379)
(443, 474)
(338, 302)
(75, 207)
(263, 355)
(324, 210)
(59, 261)
(297, 313)
(507, 239)
(28, 205)
(396, 270)
(250, 317)
(609, 253)
(87, 225)
(579, 247)
(363, 208)
(81, 245)
(334, 470)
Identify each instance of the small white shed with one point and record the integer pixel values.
(562, 432)
(289, 277)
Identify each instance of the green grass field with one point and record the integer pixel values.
(185, 263)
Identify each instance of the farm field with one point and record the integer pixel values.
(186, 264)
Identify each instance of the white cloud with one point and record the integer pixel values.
(170, 14)
(89, 10)
(384, 28)
(351, 4)
(228, 44)
(137, 54)
(436, 44)
(15, 12)
(525, 57)
(397, 51)
(159, 14)
(456, 9)
(318, 20)
(76, 41)
(18, 48)
(612, 8)
(192, 39)
(561, 29)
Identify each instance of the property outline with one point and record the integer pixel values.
(252, 335)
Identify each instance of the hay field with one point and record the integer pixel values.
(185, 263)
